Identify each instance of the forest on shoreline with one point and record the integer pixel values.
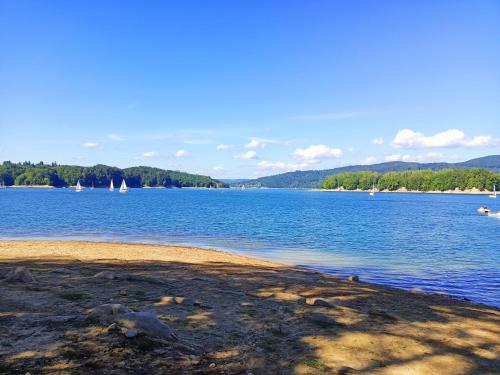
(29, 174)
(419, 180)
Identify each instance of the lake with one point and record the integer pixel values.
(437, 243)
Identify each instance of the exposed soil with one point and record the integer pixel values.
(233, 315)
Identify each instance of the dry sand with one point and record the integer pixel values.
(238, 315)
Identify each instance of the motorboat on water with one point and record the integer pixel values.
(483, 210)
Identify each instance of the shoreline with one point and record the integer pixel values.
(232, 314)
(399, 191)
(189, 252)
(404, 191)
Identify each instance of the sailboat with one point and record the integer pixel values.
(2, 184)
(372, 192)
(111, 186)
(78, 187)
(494, 195)
(123, 187)
(92, 187)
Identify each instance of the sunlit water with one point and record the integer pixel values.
(436, 243)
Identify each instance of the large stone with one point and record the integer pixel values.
(148, 323)
(318, 302)
(354, 278)
(108, 313)
(143, 322)
(21, 274)
(109, 275)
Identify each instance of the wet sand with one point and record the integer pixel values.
(233, 315)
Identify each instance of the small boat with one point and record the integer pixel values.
(2, 184)
(372, 192)
(123, 187)
(494, 195)
(78, 187)
(483, 210)
(111, 186)
(92, 187)
(242, 187)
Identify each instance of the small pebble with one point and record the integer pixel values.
(212, 365)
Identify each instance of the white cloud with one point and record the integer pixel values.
(332, 116)
(218, 168)
(397, 157)
(115, 137)
(351, 149)
(256, 143)
(90, 144)
(280, 166)
(150, 154)
(223, 147)
(378, 141)
(315, 153)
(277, 166)
(181, 153)
(369, 160)
(247, 155)
(429, 157)
(408, 138)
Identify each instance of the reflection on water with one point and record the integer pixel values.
(434, 242)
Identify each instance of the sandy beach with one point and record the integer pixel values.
(230, 315)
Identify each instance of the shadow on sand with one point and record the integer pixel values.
(237, 320)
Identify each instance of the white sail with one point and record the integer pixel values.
(494, 195)
(111, 186)
(123, 187)
(78, 186)
(373, 190)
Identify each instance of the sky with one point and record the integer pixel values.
(242, 89)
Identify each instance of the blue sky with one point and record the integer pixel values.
(248, 88)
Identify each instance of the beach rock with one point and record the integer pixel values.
(108, 313)
(212, 365)
(130, 333)
(148, 323)
(109, 275)
(21, 274)
(318, 302)
(143, 321)
(353, 278)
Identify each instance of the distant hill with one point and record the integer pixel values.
(314, 178)
(98, 176)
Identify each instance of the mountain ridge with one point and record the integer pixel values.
(314, 178)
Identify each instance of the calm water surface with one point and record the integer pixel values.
(436, 243)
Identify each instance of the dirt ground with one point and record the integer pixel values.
(234, 315)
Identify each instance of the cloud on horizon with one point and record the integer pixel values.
(90, 144)
(410, 139)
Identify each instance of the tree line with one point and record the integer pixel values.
(420, 180)
(100, 175)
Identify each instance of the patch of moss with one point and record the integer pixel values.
(313, 363)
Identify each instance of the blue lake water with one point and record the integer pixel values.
(436, 243)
